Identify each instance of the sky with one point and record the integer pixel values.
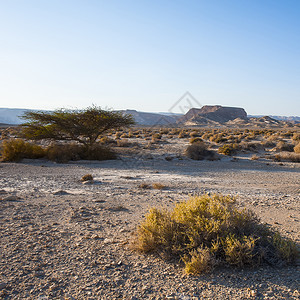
(145, 55)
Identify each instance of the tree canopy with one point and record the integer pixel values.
(83, 126)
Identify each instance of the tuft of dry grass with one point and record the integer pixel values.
(87, 177)
(158, 186)
(145, 186)
(206, 231)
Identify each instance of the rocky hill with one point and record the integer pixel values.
(208, 115)
(151, 119)
(213, 113)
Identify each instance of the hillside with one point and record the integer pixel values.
(208, 115)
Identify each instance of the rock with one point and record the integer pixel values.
(61, 193)
(11, 198)
(88, 182)
(95, 236)
(108, 241)
(2, 285)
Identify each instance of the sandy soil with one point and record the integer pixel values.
(61, 239)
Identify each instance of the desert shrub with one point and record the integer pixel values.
(254, 157)
(287, 156)
(194, 134)
(297, 148)
(157, 136)
(228, 149)
(199, 151)
(124, 143)
(107, 140)
(118, 135)
(63, 153)
(144, 185)
(268, 143)
(87, 177)
(17, 149)
(195, 140)
(217, 138)
(252, 146)
(296, 136)
(206, 136)
(158, 186)
(182, 134)
(210, 230)
(282, 146)
(97, 152)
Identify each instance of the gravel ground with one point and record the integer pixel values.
(62, 239)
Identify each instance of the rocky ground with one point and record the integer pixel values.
(62, 239)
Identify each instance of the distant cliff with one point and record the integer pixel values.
(213, 113)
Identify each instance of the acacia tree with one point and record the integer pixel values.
(83, 126)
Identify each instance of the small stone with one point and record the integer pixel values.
(60, 193)
(95, 236)
(108, 241)
(11, 198)
(88, 182)
(2, 285)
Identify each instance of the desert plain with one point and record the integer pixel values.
(61, 238)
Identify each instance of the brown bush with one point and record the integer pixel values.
(287, 156)
(63, 153)
(282, 146)
(17, 149)
(195, 140)
(297, 148)
(199, 151)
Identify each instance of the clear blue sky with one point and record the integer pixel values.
(144, 55)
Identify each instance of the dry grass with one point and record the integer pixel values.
(17, 149)
(158, 186)
(199, 151)
(209, 230)
(288, 156)
(87, 177)
(145, 186)
(297, 148)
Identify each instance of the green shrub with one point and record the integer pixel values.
(17, 149)
(198, 151)
(209, 230)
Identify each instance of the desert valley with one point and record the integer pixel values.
(68, 225)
